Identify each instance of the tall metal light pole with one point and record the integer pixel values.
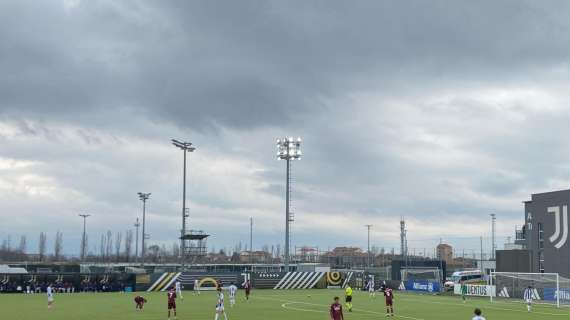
(84, 239)
(482, 268)
(368, 226)
(493, 244)
(288, 149)
(144, 197)
(185, 147)
(137, 225)
(251, 242)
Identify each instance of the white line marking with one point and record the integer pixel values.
(285, 306)
(288, 302)
(486, 307)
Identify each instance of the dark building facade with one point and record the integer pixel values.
(513, 261)
(546, 232)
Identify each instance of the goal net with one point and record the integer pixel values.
(546, 288)
(421, 274)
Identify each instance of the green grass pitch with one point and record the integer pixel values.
(264, 305)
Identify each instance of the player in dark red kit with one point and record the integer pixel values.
(247, 287)
(336, 310)
(171, 302)
(140, 301)
(389, 294)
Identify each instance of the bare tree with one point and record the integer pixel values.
(5, 246)
(128, 244)
(109, 249)
(163, 252)
(58, 246)
(102, 247)
(23, 244)
(175, 250)
(42, 246)
(118, 243)
(154, 252)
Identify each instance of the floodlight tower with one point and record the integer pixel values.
(368, 226)
(84, 239)
(185, 147)
(288, 149)
(144, 197)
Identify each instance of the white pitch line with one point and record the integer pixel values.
(287, 302)
(376, 312)
(284, 306)
(488, 307)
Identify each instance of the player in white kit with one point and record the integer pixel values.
(220, 305)
(196, 287)
(178, 286)
(233, 292)
(49, 292)
(528, 295)
(370, 286)
(478, 315)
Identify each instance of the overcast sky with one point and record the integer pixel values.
(439, 111)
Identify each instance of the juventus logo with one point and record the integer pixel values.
(559, 221)
(246, 277)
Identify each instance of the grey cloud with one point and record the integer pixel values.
(254, 64)
(97, 91)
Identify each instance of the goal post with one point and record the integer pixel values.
(546, 288)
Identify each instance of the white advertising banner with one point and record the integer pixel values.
(476, 290)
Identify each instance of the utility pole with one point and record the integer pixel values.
(185, 147)
(137, 225)
(251, 242)
(143, 197)
(482, 268)
(84, 239)
(403, 241)
(493, 231)
(368, 226)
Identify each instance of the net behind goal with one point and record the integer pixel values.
(426, 274)
(547, 288)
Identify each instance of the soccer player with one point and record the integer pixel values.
(49, 291)
(233, 291)
(140, 301)
(528, 293)
(336, 310)
(370, 287)
(348, 298)
(171, 302)
(463, 291)
(196, 287)
(220, 305)
(247, 287)
(178, 286)
(389, 294)
(478, 315)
